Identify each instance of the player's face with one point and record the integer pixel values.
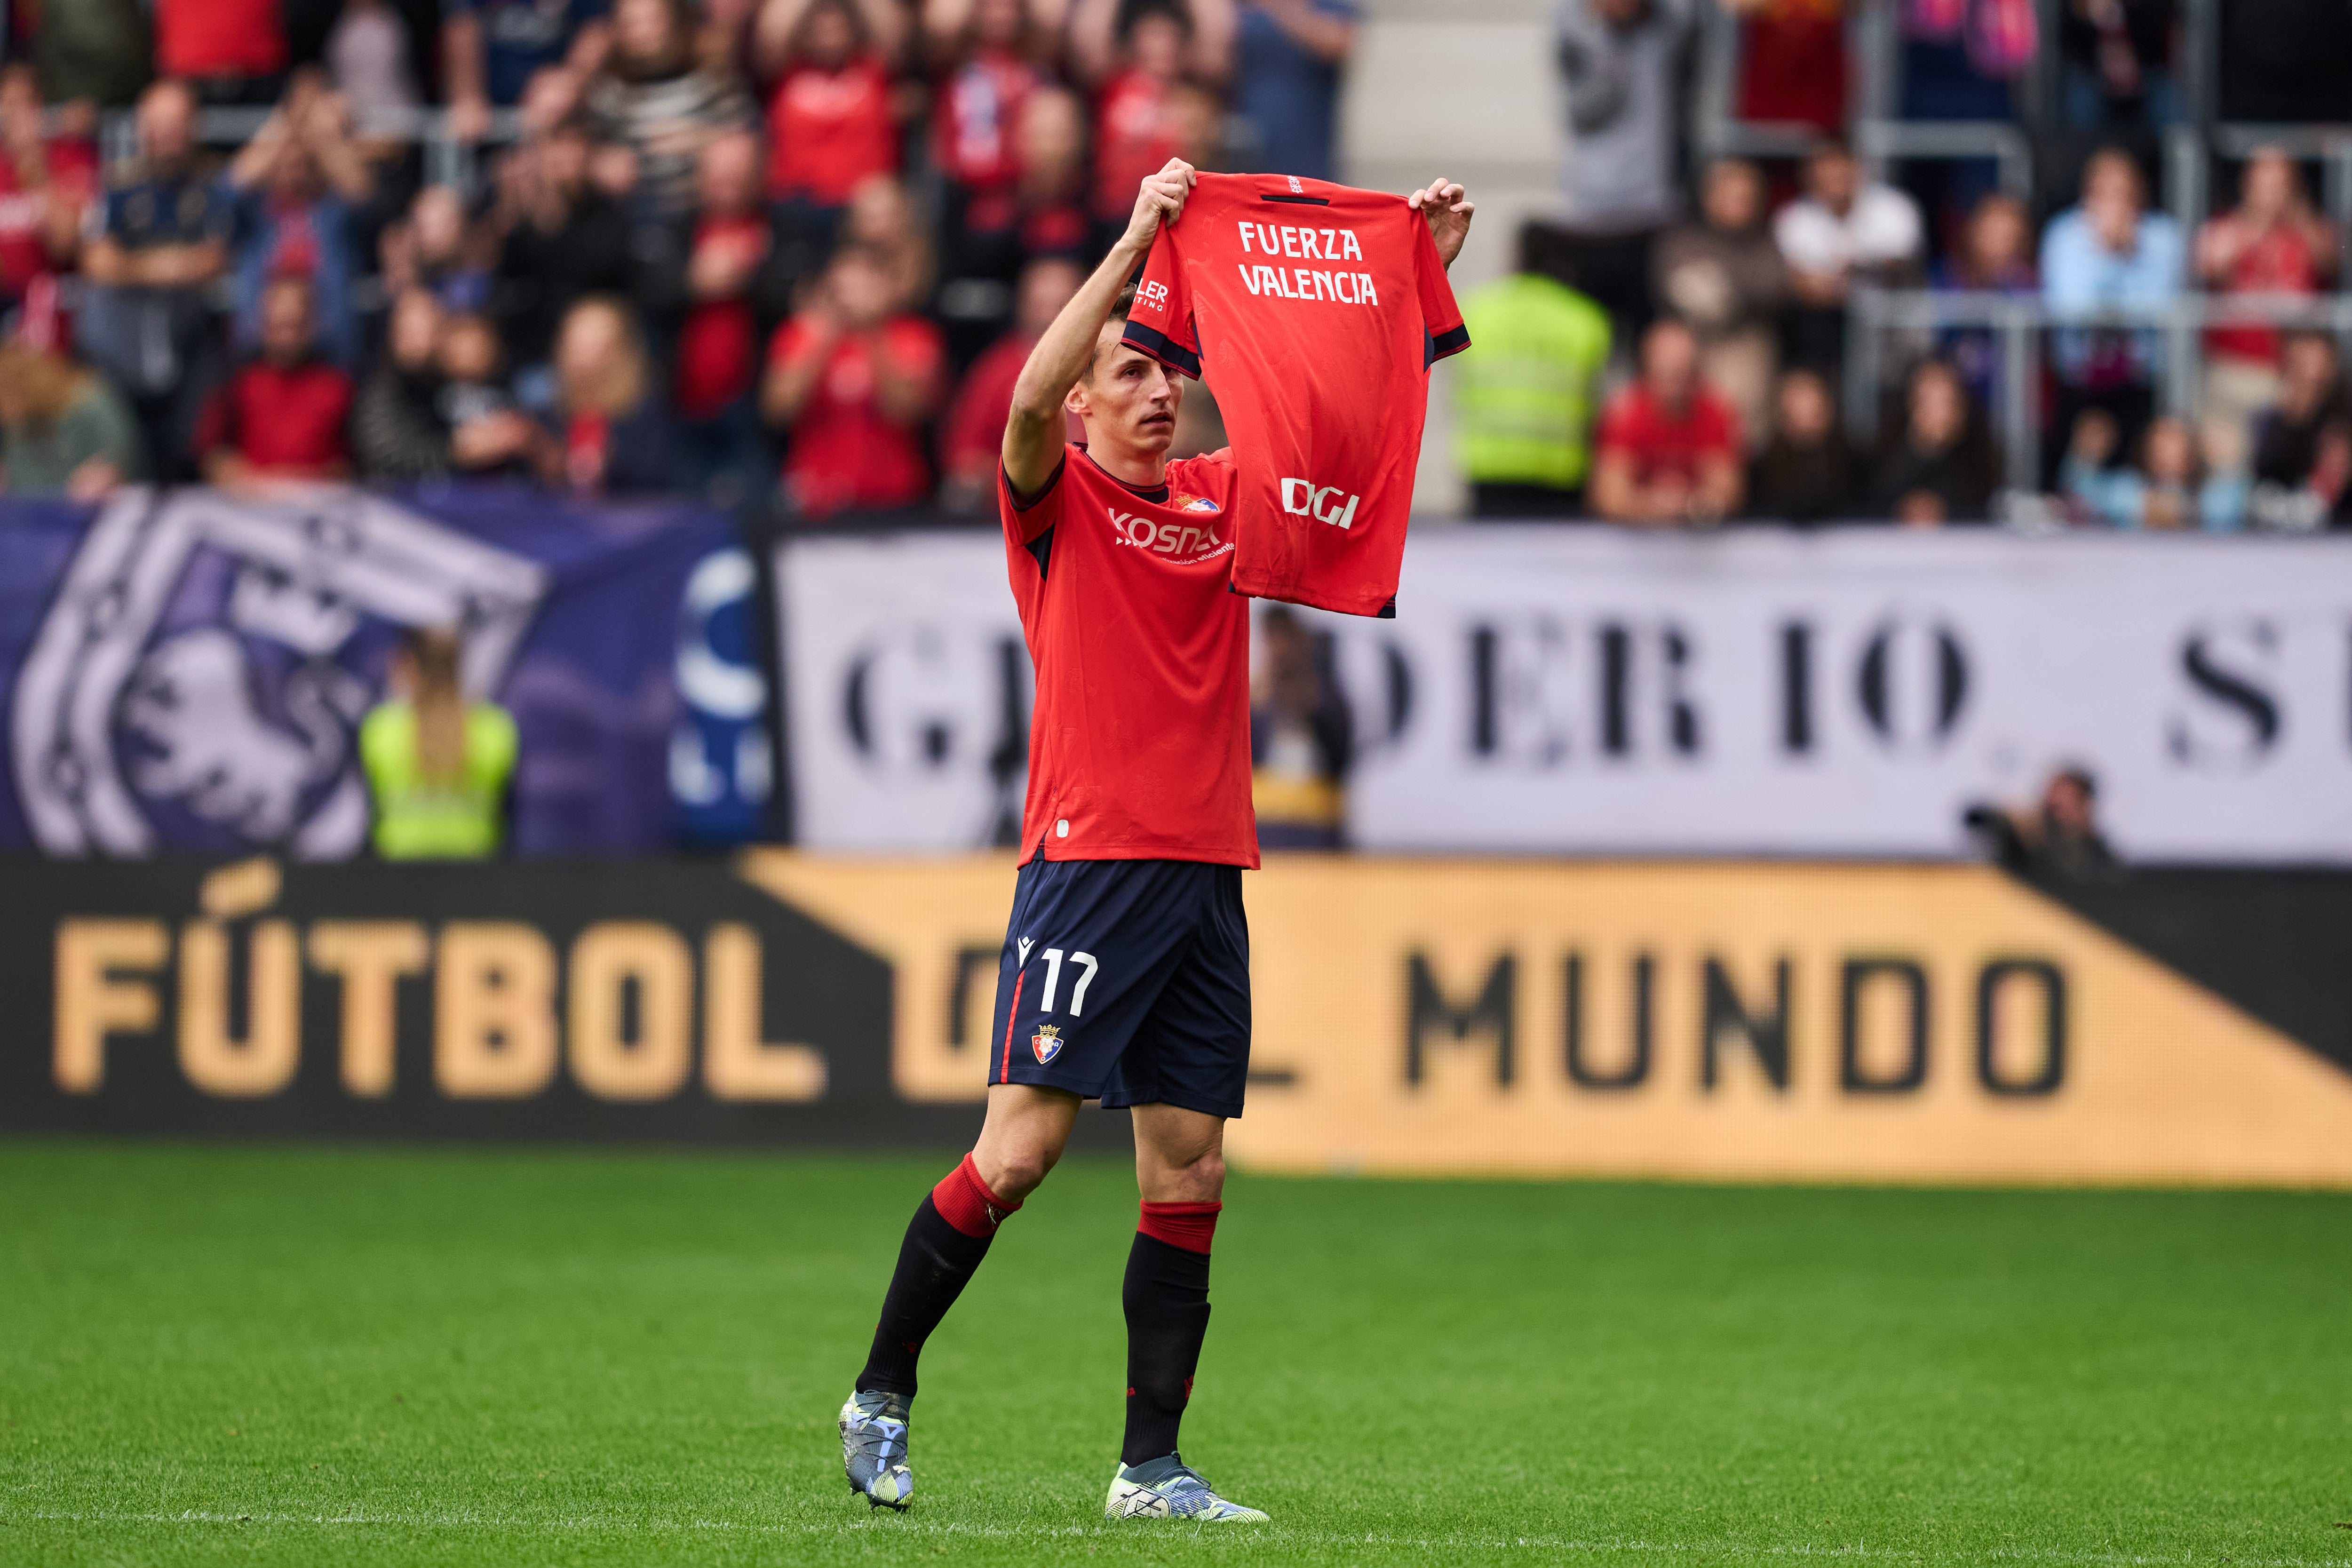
(1129, 401)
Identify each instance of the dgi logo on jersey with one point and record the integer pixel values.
(1046, 1042)
(1303, 498)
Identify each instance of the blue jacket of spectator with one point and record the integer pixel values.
(333, 274)
(1289, 95)
(2080, 274)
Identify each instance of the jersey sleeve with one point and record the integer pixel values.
(1161, 323)
(1029, 519)
(1441, 318)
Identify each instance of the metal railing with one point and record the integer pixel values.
(2020, 325)
(447, 161)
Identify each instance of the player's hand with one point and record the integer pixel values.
(1159, 200)
(1448, 207)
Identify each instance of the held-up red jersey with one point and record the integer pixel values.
(1318, 311)
(1139, 746)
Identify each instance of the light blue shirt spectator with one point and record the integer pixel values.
(1286, 63)
(2104, 253)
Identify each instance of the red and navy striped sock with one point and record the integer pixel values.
(1167, 1301)
(945, 1242)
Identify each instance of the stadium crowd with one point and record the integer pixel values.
(793, 252)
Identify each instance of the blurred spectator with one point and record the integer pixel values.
(611, 424)
(99, 52)
(658, 101)
(700, 289)
(491, 49)
(2312, 397)
(1524, 403)
(488, 431)
(2282, 61)
(1806, 472)
(2107, 252)
(1724, 279)
(852, 382)
(985, 53)
(1995, 257)
(2115, 64)
(1287, 56)
(2274, 244)
(2170, 489)
(1792, 62)
(1941, 469)
(296, 185)
(1139, 52)
(1621, 60)
(282, 415)
(435, 248)
(1053, 187)
(2060, 837)
(45, 185)
(148, 323)
(63, 431)
(371, 63)
(1670, 448)
(562, 240)
(397, 431)
(1302, 738)
(228, 51)
(882, 221)
(438, 767)
(1960, 56)
(974, 433)
(1840, 231)
(832, 120)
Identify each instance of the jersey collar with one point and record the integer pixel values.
(1156, 494)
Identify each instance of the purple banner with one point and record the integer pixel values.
(184, 671)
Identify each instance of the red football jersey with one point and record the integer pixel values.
(1320, 309)
(1139, 746)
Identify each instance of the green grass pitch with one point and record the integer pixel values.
(316, 1356)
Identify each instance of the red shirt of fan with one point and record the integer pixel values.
(845, 452)
(1139, 740)
(1664, 444)
(1135, 135)
(719, 342)
(1317, 311)
(829, 130)
(280, 419)
(219, 37)
(24, 213)
(978, 119)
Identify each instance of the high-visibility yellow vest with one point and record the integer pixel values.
(1524, 395)
(421, 819)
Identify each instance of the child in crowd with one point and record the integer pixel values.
(1805, 474)
(2175, 487)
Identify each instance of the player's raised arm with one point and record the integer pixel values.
(1033, 432)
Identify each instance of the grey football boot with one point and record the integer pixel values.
(873, 1448)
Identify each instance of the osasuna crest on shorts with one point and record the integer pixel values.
(1048, 1043)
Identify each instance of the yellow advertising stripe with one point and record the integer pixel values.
(1714, 1021)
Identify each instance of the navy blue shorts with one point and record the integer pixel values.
(1127, 982)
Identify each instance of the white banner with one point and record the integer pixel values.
(907, 691)
(1586, 691)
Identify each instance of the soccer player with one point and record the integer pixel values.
(1125, 976)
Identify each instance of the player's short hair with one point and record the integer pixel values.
(1120, 309)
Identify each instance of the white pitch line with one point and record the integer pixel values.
(1277, 1534)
